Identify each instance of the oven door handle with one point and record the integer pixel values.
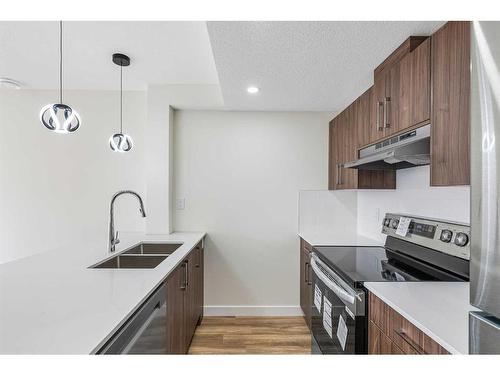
(344, 295)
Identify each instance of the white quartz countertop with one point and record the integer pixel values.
(53, 303)
(439, 309)
(338, 239)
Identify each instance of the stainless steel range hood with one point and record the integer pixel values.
(407, 150)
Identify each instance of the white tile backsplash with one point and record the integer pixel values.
(330, 213)
(414, 196)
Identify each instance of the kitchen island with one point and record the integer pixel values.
(52, 303)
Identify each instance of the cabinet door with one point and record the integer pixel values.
(199, 289)
(191, 309)
(398, 104)
(377, 109)
(176, 285)
(332, 156)
(362, 118)
(450, 155)
(349, 177)
(420, 96)
(335, 154)
(374, 337)
(305, 287)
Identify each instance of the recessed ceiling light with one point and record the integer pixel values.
(252, 90)
(8, 83)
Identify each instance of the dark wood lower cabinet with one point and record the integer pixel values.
(175, 311)
(391, 333)
(184, 301)
(305, 280)
(200, 283)
(378, 342)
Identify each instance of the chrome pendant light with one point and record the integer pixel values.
(121, 142)
(59, 117)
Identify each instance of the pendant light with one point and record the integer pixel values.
(121, 142)
(59, 117)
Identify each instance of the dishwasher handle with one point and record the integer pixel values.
(343, 294)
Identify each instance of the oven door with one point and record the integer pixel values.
(338, 321)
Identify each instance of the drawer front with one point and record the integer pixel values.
(403, 336)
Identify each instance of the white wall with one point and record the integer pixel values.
(327, 215)
(161, 101)
(413, 195)
(240, 173)
(55, 189)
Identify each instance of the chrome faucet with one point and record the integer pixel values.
(113, 237)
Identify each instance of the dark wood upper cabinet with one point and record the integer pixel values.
(348, 131)
(366, 133)
(420, 95)
(450, 155)
(425, 80)
(401, 93)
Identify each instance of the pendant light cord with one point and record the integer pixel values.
(60, 62)
(121, 98)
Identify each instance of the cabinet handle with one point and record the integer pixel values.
(306, 268)
(387, 103)
(309, 282)
(410, 342)
(187, 273)
(379, 105)
(184, 281)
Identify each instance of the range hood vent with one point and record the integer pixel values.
(407, 150)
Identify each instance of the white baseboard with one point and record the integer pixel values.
(252, 311)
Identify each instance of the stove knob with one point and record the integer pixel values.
(446, 235)
(394, 223)
(461, 239)
(387, 222)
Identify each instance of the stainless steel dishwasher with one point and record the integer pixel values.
(145, 332)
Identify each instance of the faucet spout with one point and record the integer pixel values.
(113, 237)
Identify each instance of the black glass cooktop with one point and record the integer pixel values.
(359, 264)
(355, 264)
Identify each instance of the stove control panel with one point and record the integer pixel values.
(448, 237)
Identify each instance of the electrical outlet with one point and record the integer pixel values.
(180, 203)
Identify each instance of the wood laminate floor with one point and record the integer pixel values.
(251, 335)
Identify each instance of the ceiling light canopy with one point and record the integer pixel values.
(121, 142)
(253, 90)
(59, 117)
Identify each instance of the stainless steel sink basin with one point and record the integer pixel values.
(131, 261)
(154, 248)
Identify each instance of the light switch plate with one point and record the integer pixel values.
(180, 203)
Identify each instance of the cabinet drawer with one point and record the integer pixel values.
(403, 336)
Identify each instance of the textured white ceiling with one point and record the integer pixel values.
(312, 66)
(161, 53)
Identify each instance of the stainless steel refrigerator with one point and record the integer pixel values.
(484, 326)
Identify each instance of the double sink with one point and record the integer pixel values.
(144, 255)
